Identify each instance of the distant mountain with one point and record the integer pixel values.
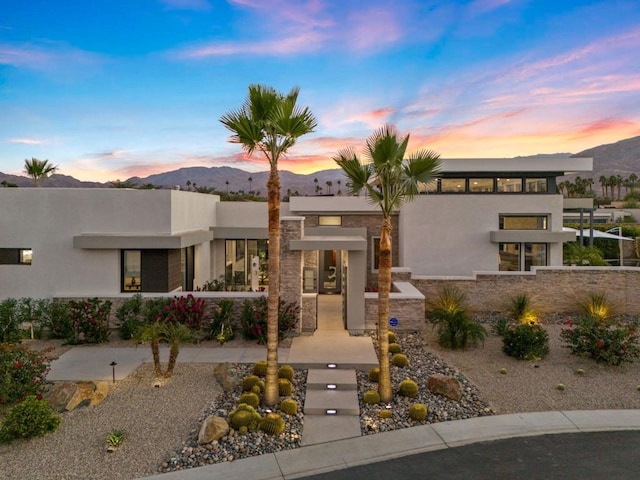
(54, 181)
(620, 158)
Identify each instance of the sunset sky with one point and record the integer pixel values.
(109, 89)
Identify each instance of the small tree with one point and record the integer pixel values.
(39, 169)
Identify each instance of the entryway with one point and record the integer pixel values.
(330, 313)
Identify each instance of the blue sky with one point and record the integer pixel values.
(108, 89)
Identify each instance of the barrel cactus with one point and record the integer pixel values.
(272, 424)
(395, 348)
(399, 360)
(289, 406)
(285, 387)
(374, 374)
(371, 397)
(392, 337)
(418, 412)
(385, 413)
(249, 381)
(244, 416)
(286, 371)
(408, 388)
(250, 398)
(260, 368)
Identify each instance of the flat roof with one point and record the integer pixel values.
(107, 241)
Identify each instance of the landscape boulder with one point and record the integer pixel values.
(223, 375)
(68, 396)
(445, 386)
(213, 428)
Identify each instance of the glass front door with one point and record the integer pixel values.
(330, 271)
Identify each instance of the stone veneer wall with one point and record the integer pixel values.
(409, 312)
(552, 290)
(291, 228)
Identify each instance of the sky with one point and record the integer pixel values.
(110, 89)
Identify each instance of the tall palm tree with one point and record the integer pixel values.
(250, 183)
(39, 169)
(270, 122)
(390, 180)
(603, 183)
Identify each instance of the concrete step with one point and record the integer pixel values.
(342, 402)
(318, 379)
(325, 428)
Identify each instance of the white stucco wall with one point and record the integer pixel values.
(47, 219)
(449, 234)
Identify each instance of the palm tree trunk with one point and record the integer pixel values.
(271, 393)
(384, 287)
(155, 351)
(173, 357)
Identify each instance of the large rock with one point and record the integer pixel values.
(445, 386)
(213, 428)
(224, 377)
(68, 396)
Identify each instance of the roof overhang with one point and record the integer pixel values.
(531, 236)
(329, 242)
(254, 233)
(107, 241)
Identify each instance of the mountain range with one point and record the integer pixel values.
(620, 158)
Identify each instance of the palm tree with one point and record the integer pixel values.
(633, 181)
(329, 184)
(250, 182)
(39, 169)
(160, 331)
(227, 184)
(270, 122)
(390, 180)
(603, 183)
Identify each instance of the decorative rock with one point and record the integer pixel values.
(224, 378)
(446, 386)
(213, 428)
(69, 396)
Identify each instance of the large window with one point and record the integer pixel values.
(329, 220)
(238, 262)
(16, 256)
(523, 222)
(481, 185)
(536, 185)
(453, 185)
(510, 185)
(515, 257)
(131, 270)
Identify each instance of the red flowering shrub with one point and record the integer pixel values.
(22, 373)
(254, 319)
(187, 311)
(90, 319)
(607, 342)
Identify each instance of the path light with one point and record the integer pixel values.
(331, 411)
(331, 365)
(331, 386)
(113, 368)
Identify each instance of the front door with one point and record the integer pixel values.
(330, 271)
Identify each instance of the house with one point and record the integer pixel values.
(482, 215)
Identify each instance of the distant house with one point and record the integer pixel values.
(482, 215)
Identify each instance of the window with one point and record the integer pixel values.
(330, 220)
(430, 187)
(131, 270)
(16, 256)
(523, 222)
(452, 185)
(238, 261)
(509, 185)
(515, 257)
(536, 185)
(481, 185)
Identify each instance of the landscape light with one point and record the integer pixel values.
(331, 365)
(331, 411)
(331, 386)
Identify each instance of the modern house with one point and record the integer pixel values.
(482, 215)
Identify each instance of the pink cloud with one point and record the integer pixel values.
(26, 141)
(49, 57)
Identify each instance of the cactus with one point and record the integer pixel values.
(418, 412)
(250, 398)
(256, 389)
(289, 406)
(408, 388)
(260, 368)
(385, 413)
(244, 416)
(395, 348)
(371, 397)
(243, 430)
(399, 360)
(374, 374)
(272, 424)
(392, 337)
(284, 387)
(286, 371)
(249, 381)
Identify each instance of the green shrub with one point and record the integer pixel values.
(371, 397)
(500, 325)
(610, 343)
(418, 412)
(408, 388)
(272, 424)
(385, 413)
(250, 398)
(90, 320)
(520, 310)
(260, 368)
(399, 360)
(22, 373)
(9, 322)
(286, 371)
(254, 319)
(130, 316)
(30, 418)
(598, 307)
(221, 324)
(285, 388)
(35, 312)
(60, 323)
(374, 374)
(525, 341)
(395, 348)
(456, 329)
(155, 310)
(289, 406)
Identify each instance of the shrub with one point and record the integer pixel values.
(155, 310)
(520, 310)
(371, 397)
(90, 320)
(525, 341)
(597, 307)
(31, 311)
(500, 326)
(22, 373)
(612, 343)
(408, 388)
(221, 326)
(30, 418)
(254, 319)
(9, 323)
(60, 323)
(187, 311)
(418, 412)
(399, 360)
(455, 327)
(130, 316)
